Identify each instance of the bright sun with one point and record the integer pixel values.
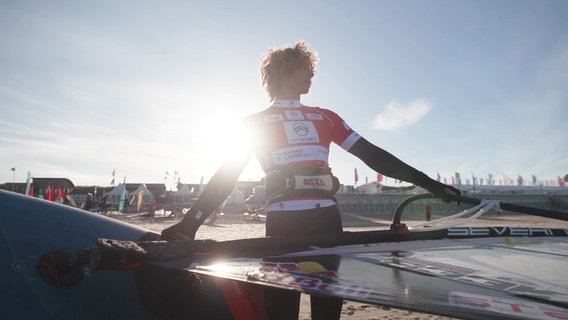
(219, 135)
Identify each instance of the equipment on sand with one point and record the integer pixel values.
(62, 263)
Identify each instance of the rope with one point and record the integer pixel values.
(481, 209)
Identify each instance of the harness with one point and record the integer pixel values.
(292, 182)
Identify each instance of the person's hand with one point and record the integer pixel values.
(184, 230)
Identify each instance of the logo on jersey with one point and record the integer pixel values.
(301, 129)
(294, 115)
(314, 116)
(273, 118)
(299, 154)
(301, 132)
(314, 182)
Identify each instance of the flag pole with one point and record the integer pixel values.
(13, 177)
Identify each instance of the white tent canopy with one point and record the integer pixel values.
(117, 191)
(184, 195)
(370, 188)
(147, 196)
(236, 197)
(113, 197)
(184, 191)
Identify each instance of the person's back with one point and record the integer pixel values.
(292, 142)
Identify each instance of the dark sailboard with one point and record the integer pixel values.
(466, 272)
(41, 279)
(30, 227)
(482, 278)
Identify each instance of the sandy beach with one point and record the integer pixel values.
(233, 226)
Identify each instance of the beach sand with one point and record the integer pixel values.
(233, 226)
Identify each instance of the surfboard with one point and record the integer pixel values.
(56, 262)
(483, 278)
(30, 227)
(38, 236)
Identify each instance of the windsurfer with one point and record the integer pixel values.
(88, 202)
(291, 142)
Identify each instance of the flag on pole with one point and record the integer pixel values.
(59, 196)
(28, 183)
(379, 177)
(140, 197)
(506, 179)
(201, 185)
(49, 193)
(458, 179)
(437, 176)
(356, 176)
(122, 196)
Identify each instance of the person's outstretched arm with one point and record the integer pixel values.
(217, 190)
(384, 162)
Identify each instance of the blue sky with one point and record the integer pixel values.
(148, 87)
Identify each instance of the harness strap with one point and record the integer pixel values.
(287, 183)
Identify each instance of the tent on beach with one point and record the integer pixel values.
(236, 197)
(142, 190)
(113, 197)
(184, 195)
(234, 203)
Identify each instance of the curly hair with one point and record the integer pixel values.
(281, 62)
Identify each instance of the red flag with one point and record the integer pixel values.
(379, 177)
(356, 176)
(48, 193)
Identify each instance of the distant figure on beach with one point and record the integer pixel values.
(427, 212)
(88, 202)
(292, 142)
(106, 205)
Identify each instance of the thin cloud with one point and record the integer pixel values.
(398, 116)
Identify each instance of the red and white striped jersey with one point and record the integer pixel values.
(291, 134)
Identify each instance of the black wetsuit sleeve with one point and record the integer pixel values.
(384, 162)
(217, 190)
